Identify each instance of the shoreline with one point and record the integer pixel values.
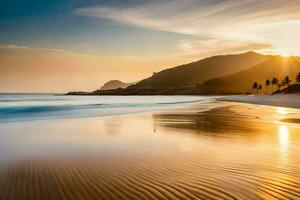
(279, 100)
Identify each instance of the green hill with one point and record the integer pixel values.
(227, 74)
(115, 84)
(197, 72)
(241, 82)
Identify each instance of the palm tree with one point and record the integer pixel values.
(255, 86)
(298, 78)
(274, 82)
(259, 87)
(267, 83)
(283, 83)
(279, 86)
(287, 81)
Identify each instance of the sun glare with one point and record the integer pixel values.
(283, 135)
(283, 138)
(284, 53)
(282, 111)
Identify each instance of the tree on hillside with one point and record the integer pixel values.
(279, 86)
(287, 81)
(259, 87)
(267, 83)
(274, 82)
(255, 86)
(282, 83)
(298, 78)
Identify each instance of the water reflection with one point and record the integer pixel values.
(283, 137)
(230, 152)
(282, 111)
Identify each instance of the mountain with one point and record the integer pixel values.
(197, 72)
(115, 84)
(242, 81)
(226, 74)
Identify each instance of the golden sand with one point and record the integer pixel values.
(231, 151)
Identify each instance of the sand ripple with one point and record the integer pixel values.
(140, 178)
(250, 159)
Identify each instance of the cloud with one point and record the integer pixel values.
(186, 46)
(14, 47)
(224, 20)
(205, 48)
(198, 17)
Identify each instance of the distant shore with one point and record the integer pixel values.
(285, 99)
(192, 90)
(282, 100)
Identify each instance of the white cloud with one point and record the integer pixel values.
(186, 46)
(13, 46)
(197, 17)
(18, 47)
(227, 20)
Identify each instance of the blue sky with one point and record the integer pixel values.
(55, 24)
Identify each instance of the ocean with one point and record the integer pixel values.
(190, 147)
(15, 107)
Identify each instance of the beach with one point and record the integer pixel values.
(281, 100)
(211, 150)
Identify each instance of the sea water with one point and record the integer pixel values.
(14, 107)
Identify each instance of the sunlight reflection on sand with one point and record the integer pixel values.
(232, 151)
(283, 137)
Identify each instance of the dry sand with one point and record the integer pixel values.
(230, 151)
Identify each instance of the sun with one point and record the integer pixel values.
(284, 53)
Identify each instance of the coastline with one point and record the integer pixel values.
(281, 100)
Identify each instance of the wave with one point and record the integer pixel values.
(179, 102)
(34, 106)
(31, 100)
(32, 109)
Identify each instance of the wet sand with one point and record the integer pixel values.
(215, 150)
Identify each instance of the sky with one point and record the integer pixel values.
(63, 45)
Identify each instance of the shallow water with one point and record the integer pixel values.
(16, 107)
(214, 150)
